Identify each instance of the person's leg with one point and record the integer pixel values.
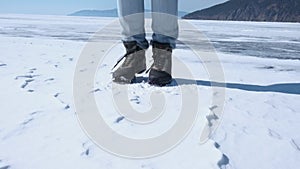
(165, 21)
(131, 16)
(165, 33)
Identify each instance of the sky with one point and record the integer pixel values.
(64, 7)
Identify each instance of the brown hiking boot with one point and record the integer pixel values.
(161, 70)
(134, 63)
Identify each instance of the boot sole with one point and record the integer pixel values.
(123, 80)
(159, 78)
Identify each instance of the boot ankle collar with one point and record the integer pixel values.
(164, 46)
(131, 47)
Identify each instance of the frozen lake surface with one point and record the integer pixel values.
(39, 127)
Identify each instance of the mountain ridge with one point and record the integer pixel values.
(254, 10)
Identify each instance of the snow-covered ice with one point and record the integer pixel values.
(39, 127)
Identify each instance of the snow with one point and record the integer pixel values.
(39, 127)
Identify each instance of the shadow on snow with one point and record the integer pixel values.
(287, 88)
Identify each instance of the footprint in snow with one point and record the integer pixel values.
(295, 145)
(27, 83)
(274, 134)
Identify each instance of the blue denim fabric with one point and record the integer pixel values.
(164, 21)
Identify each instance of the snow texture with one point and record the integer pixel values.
(39, 127)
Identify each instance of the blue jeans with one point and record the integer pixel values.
(164, 21)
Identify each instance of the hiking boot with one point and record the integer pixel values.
(134, 63)
(160, 71)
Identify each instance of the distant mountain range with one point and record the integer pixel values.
(108, 13)
(99, 13)
(251, 10)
